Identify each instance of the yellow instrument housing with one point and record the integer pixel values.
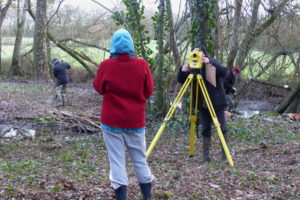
(195, 60)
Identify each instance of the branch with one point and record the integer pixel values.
(286, 87)
(61, 1)
(268, 65)
(86, 44)
(112, 12)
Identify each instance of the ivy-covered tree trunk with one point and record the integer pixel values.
(203, 22)
(42, 73)
(160, 80)
(198, 10)
(131, 19)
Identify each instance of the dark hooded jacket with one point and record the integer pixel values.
(60, 73)
(216, 94)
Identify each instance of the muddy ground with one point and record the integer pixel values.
(66, 158)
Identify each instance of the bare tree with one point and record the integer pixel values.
(15, 66)
(77, 56)
(233, 45)
(254, 30)
(3, 12)
(40, 54)
(173, 45)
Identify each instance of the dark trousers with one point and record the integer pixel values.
(206, 121)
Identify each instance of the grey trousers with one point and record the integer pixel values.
(60, 92)
(116, 143)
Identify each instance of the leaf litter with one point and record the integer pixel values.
(67, 159)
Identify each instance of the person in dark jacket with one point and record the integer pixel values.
(217, 96)
(125, 83)
(61, 75)
(229, 81)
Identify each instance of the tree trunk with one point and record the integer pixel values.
(249, 37)
(40, 56)
(0, 51)
(293, 108)
(173, 45)
(15, 67)
(199, 21)
(234, 44)
(141, 34)
(288, 100)
(160, 86)
(3, 12)
(216, 35)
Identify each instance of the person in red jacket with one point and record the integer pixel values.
(125, 83)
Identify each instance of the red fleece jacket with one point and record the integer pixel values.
(125, 84)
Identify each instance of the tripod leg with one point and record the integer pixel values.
(170, 113)
(193, 115)
(214, 118)
(193, 119)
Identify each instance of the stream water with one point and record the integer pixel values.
(249, 108)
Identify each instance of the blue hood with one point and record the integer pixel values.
(121, 42)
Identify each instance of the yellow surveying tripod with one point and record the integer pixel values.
(193, 78)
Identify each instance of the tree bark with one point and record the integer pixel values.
(173, 45)
(234, 44)
(293, 108)
(160, 98)
(3, 12)
(15, 66)
(199, 21)
(39, 42)
(288, 100)
(141, 34)
(216, 35)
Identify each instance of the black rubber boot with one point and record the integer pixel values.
(206, 149)
(146, 190)
(121, 193)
